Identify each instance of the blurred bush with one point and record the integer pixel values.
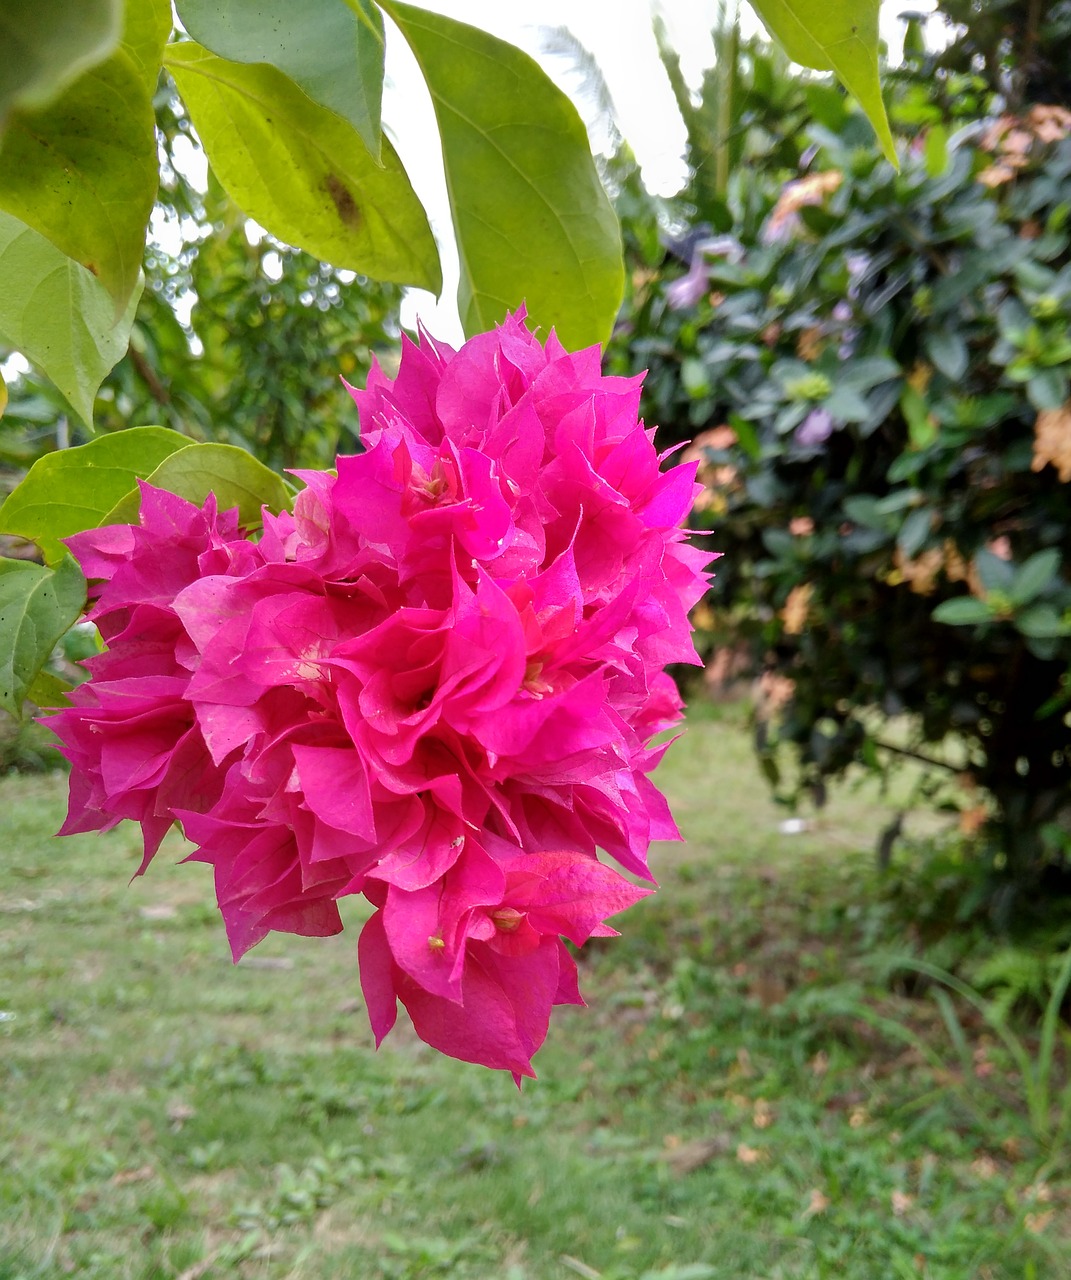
(873, 369)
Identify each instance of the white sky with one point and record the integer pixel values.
(619, 34)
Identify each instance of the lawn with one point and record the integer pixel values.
(747, 1095)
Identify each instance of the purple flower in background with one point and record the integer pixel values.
(857, 264)
(722, 247)
(815, 429)
(842, 314)
(686, 292)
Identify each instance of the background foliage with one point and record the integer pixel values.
(874, 369)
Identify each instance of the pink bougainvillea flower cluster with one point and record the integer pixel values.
(436, 683)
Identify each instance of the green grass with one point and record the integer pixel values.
(742, 1099)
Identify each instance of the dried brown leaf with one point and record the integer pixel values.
(1052, 441)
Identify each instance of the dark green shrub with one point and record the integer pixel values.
(875, 371)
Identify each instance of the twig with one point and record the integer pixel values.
(917, 755)
(148, 375)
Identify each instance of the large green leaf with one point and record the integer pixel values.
(145, 33)
(839, 36)
(532, 220)
(1040, 573)
(74, 489)
(322, 45)
(963, 611)
(234, 476)
(48, 43)
(83, 171)
(37, 606)
(303, 172)
(59, 315)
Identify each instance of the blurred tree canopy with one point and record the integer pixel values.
(1018, 48)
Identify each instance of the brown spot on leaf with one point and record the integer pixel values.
(343, 200)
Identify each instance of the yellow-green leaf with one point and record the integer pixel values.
(148, 25)
(234, 476)
(532, 221)
(303, 172)
(58, 315)
(83, 171)
(37, 606)
(49, 691)
(48, 43)
(322, 45)
(839, 36)
(74, 489)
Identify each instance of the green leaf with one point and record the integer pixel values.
(898, 500)
(921, 424)
(994, 572)
(839, 36)
(48, 690)
(49, 43)
(1042, 622)
(935, 150)
(963, 611)
(234, 476)
(59, 315)
(746, 436)
(847, 405)
(37, 605)
(3, 394)
(304, 173)
(914, 531)
(866, 372)
(532, 221)
(948, 351)
(862, 508)
(83, 171)
(694, 377)
(74, 489)
(148, 25)
(322, 45)
(1047, 389)
(1034, 575)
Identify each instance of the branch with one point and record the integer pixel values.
(148, 375)
(917, 755)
